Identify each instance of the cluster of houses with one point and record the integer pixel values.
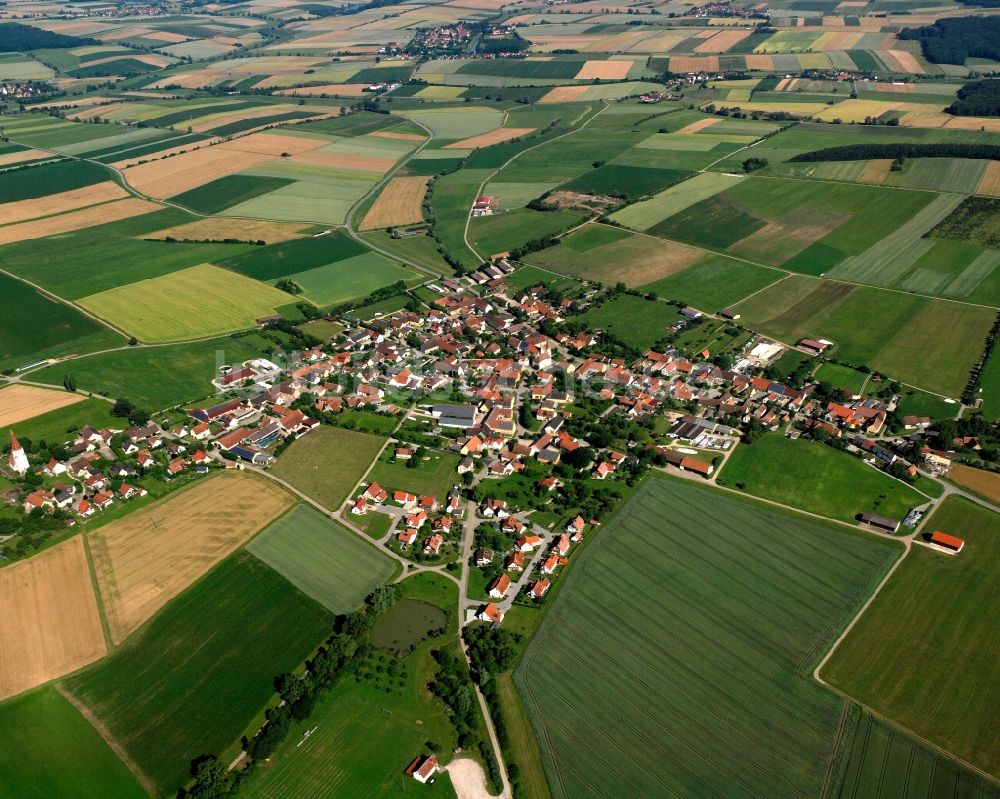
(424, 523)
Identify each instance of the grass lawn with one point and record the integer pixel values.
(51, 750)
(817, 478)
(689, 653)
(177, 374)
(924, 654)
(191, 681)
(637, 321)
(431, 477)
(850, 380)
(193, 303)
(322, 558)
(327, 463)
(367, 730)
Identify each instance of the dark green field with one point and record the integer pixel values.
(677, 664)
(630, 182)
(637, 321)
(175, 374)
(513, 229)
(44, 261)
(884, 763)
(298, 255)
(190, 682)
(50, 750)
(40, 181)
(34, 326)
(226, 192)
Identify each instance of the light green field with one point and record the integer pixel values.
(193, 303)
(644, 215)
(517, 195)
(326, 464)
(925, 653)
(349, 279)
(324, 201)
(457, 123)
(15, 66)
(928, 343)
(817, 478)
(322, 558)
(939, 174)
(850, 380)
(440, 92)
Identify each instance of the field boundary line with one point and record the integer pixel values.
(109, 739)
(499, 169)
(102, 614)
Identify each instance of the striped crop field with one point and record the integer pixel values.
(678, 665)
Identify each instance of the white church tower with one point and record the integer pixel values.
(17, 461)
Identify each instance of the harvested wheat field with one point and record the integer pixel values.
(876, 171)
(986, 484)
(60, 203)
(20, 402)
(486, 139)
(564, 94)
(345, 161)
(274, 144)
(398, 204)
(76, 220)
(170, 176)
(608, 70)
(907, 61)
(721, 42)
(989, 183)
(341, 89)
(699, 63)
(699, 125)
(169, 152)
(388, 134)
(147, 558)
(974, 123)
(49, 622)
(217, 228)
(21, 156)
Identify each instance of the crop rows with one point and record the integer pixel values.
(674, 659)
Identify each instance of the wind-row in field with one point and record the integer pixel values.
(674, 663)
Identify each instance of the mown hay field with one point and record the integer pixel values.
(191, 303)
(677, 664)
(322, 558)
(924, 653)
(19, 402)
(326, 464)
(788, 471)
(192, 681)
(51, 625)
(218, 229)
(398, 204)
(149, 557)
(643, 215)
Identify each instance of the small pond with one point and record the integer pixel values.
(406, 624)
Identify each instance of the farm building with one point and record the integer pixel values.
(813, 346)
(423, 768)
(882, 522)
(949, 542)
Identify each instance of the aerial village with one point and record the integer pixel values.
(535, 407)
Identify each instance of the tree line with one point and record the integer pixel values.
(952, 40)
(901, 150)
